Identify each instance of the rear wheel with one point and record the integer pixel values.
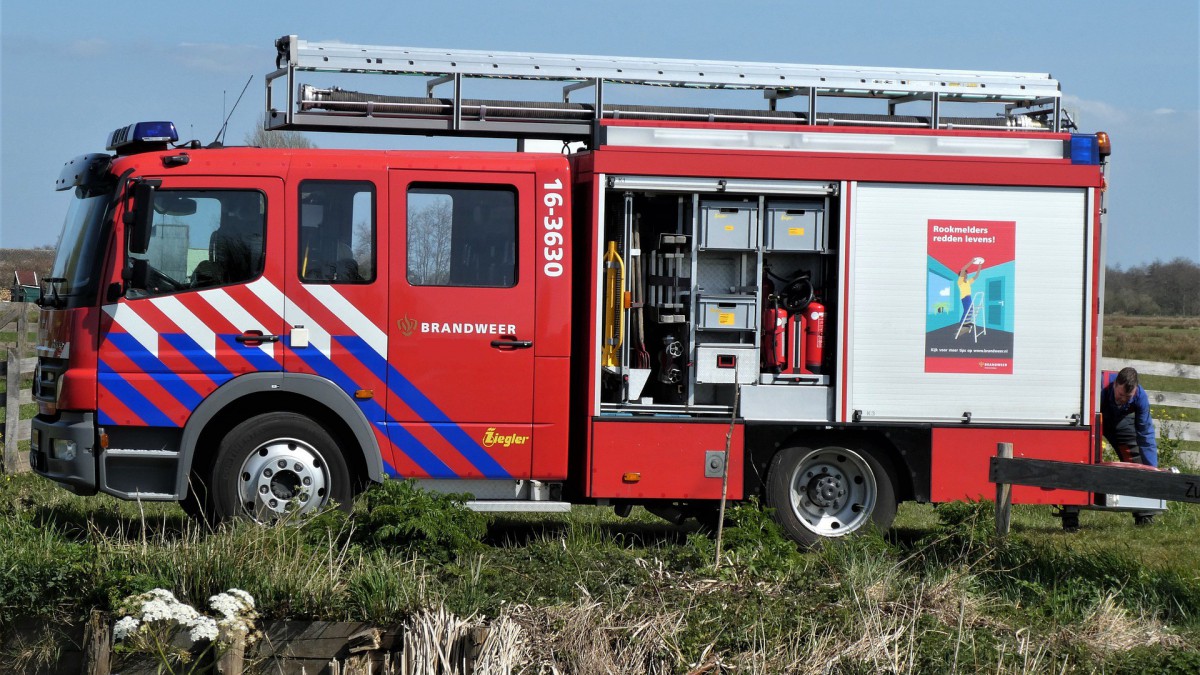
(829, 492)
(277, 465)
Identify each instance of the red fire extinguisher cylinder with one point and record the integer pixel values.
(814, 337)
(774, 348)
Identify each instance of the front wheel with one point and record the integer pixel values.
(276, 465)
(829, 492)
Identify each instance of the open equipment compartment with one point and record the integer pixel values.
(708, 290)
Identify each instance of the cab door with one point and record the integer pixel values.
(335, 277)
(201, 314)
(461, 328)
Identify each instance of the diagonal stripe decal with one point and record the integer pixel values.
(321, 365)
(428, 411)
(201, 335)
(135, 326)
(133, 399)
(204, 360)
(170, 336)
(151, 365)
(358, 323)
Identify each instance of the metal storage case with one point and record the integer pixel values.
(795, 226)
(727, 312)
(726, 364)
(728, 225)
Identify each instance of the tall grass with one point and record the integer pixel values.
(1152, 338)
(590, 593)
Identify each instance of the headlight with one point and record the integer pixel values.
(34, 440)
(63, 449)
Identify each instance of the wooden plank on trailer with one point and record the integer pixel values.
(1153, 367)
(1132, 481)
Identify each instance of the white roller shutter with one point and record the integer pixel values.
(888, 304)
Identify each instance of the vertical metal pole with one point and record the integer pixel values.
(737, 394)
(457, 122)
(1003, 495)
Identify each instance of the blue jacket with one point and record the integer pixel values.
(1138, 405)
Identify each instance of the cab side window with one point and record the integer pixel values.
(462, 235)
(337, 232)
(203, 239)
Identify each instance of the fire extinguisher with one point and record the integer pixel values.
(774, 345)
(814, 337)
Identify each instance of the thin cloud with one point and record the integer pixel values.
(220, 58)
(90, 48)
(1165, 111)
(1093, 113)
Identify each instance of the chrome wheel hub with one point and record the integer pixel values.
(283, 477)
(833, 491)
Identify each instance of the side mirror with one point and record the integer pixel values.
(141, 220)
(138, 275)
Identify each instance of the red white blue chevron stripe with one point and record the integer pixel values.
(160, 357)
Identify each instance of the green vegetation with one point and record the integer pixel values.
(1153, 338)
(595, 592)
(1154, 290)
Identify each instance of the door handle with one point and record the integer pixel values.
(510, 342)
(255, 338)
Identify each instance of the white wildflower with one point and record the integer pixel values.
(125, 627)
(156, 610)
(228, 606)
(203, 628)
(246, 598)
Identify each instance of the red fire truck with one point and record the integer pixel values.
(830, 305)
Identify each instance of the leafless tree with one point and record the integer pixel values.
(429, 228)
(261, 138)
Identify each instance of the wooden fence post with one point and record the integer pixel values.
(14, 430)
(97, 644)
(12, 407)
(1003, 494)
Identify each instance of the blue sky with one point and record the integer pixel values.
(71, 72)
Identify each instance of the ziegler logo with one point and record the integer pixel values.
(491, 439)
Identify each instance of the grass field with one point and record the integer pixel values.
(1149, 338)
(593, 593)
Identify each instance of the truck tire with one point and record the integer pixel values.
(277, 465)
(821, 493)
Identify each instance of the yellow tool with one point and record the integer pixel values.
(614, 307)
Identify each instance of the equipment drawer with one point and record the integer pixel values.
(728, 225)
(727, 312)
(795, 226)
(726, 364)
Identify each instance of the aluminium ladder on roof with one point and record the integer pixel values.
(332, 109)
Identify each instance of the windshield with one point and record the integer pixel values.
(80, 248)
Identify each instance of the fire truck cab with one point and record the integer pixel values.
(836, 311)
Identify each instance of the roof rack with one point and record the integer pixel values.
(1031, 100)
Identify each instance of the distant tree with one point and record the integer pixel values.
(261, 138)
(1157, 288)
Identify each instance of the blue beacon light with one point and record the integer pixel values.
(142, 136)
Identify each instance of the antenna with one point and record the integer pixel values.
(221, 134)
